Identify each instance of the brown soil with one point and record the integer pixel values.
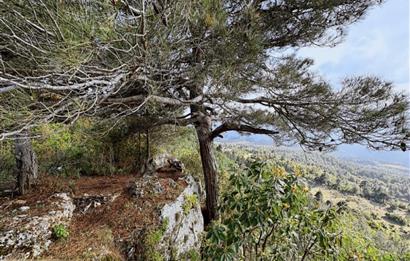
(175, 175)
(40, 193)
(105, 228)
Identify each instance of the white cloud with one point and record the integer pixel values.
(378, 45)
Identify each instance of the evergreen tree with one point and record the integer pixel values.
(215, 65)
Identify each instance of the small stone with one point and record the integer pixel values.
(19, 202)
(24, 208)
(114, 197)
(146, 186)
(172, 183)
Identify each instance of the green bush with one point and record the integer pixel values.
(365, 239)
(60, 232)
(7, 161)
(268, 215)
(151, 241)
(86, 148)
(183, 145)
(395, 219)
(73, 150)
(190, 202)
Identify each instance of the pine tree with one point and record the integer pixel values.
(215, 65)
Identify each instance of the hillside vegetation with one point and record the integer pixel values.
(376, 222)
(276, 203)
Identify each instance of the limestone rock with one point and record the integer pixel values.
(24, 208)
(26, 236)
(185, 222)
(162, 163)
(87, 202)
(147, 185)
(180, 230)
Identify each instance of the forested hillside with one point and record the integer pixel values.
(374, 180)
(376, 196)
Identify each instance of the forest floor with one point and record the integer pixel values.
(103, 228)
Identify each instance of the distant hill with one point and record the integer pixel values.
(356, 153)
(372, 180)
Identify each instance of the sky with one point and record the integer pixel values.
(377, 45)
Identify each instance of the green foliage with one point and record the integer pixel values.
(60, 231)
(377, 182)
(364, 236)
(396, 219)
(85, 148)
(226, 165)
(73, 151)
(151, 240)
(268, 215)
(365, 239)
(191, 255)
(190, 202)
(183, 145)
(7, 161)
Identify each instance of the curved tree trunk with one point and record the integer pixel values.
(203, 130)
(26, 163)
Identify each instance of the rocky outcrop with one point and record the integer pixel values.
(23, 236)
(147, 185)
(182, 236)
(153, 217)
(162, 164)
(179, 231)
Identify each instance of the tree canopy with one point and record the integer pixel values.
(217, 65)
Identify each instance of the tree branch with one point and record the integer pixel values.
(159, 99)
(44, 86)
(229, 126)
(270, 102)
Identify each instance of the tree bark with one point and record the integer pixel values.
(148, 146)
(26, 163)
(203, 126)
(203, 131)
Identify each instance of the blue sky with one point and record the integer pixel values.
(377, 45)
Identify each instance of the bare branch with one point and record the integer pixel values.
(162, 100)
(241, 128)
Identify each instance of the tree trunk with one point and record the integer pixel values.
(148, 146)
(26, 163)
(140, 157)
(115, 145)
(203, 130)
